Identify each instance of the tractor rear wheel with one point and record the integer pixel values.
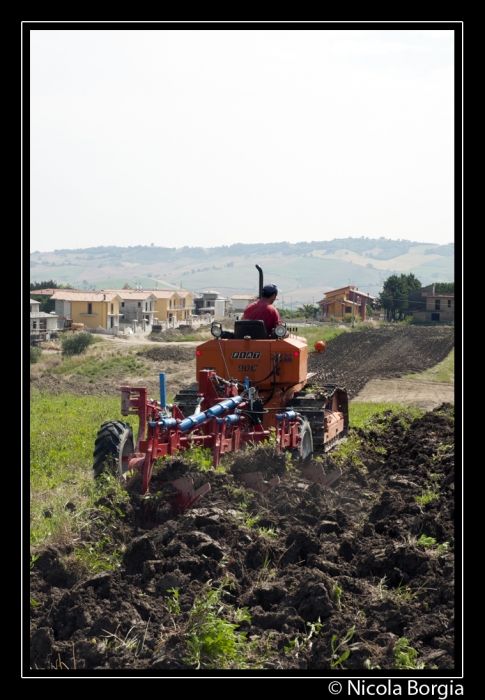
(113, 443)
(305, 446)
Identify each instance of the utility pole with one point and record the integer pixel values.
(353, 310)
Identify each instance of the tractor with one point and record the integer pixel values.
(251, 385)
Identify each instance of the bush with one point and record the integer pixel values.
(77, 344)
(35, 354)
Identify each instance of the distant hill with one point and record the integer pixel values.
(304, 271)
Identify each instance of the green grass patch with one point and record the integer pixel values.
(442, 372)
(62, 433)
(314, 333)
(103, 365)
(367, 415)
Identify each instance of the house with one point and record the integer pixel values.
(43, 326)
(136, 306)
(174, 306)
(239, 303)
(426, 305)
(93, 309)
(211, 302)
(346, 300)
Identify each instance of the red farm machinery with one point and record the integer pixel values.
(251, 385)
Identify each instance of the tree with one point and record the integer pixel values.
(444, 288)
(394, 296)
(50, 284)
(77, 344)
(309, 310)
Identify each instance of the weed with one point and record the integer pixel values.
(405, 656)
(367, 664)
(33, 559)
(337, 594)
(427, 495)
(212, 640)
(266, 572)
(431, 542)
(267, 532)
(426, 541)
(35, 354)
(114, 641)
(34, 603)
(173, 604)
(304, 642)
(199, 457)
(335, 659)
(97, 556)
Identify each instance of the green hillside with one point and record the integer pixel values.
(303, 270)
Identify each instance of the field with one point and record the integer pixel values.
(355, 577)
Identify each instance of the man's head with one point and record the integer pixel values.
(269, 292)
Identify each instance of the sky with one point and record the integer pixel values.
(207, 137)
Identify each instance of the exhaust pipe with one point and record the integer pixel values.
(260, 281)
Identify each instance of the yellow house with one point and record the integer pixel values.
(93, 309)
(173, 305)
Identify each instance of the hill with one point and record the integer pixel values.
(304, 271)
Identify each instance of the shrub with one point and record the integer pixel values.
(35, 354)
(76, 344)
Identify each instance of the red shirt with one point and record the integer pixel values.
(262, 311)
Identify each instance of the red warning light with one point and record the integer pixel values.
(296, 353)
(198, 352)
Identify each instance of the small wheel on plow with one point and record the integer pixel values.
(113, 445)
(305, 446)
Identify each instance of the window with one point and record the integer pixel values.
(112, 308)
(348, 309)
(90, 308)
(449, 303)
(435, 317)
(122, 304)
(139, 304)
(437, 304)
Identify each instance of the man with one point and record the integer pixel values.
(262, 310)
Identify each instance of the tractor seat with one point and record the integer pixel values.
(255, 329)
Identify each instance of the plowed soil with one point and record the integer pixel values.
(315, 567)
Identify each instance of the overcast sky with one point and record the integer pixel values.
(213, 137)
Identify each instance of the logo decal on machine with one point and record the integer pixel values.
(245, 355)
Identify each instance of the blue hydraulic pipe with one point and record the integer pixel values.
(163, 395)
(216, 410)
(224, 406)
(164, 423)
(233, 418)
(288, 414)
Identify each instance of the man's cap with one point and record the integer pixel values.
(271, 289)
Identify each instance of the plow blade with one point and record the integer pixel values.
(186, 496)
(315, 472)
(256, 482)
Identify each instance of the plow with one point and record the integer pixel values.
(252, 386)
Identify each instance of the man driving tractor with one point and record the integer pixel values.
(262, 309)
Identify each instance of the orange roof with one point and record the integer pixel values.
(70, 295)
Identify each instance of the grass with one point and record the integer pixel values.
(103, 364)
(405, 656)
(62, 433)
(314, 333)
(212, 637)
(377, 416)
(443, 372)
